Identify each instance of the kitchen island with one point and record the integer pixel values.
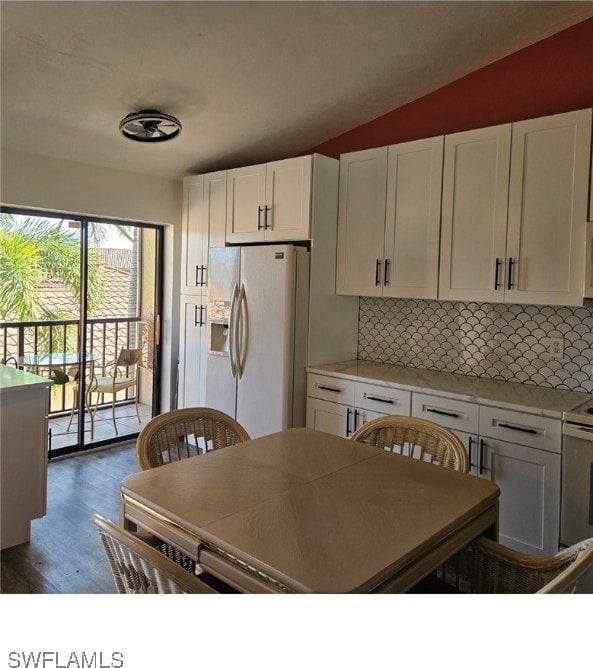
(24, 403)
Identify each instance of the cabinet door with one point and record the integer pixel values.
(214, 209)
(361, 416)
(413, 218)
(288, 199)
(529, 482)
(194, 237)
(474, 214)
(361, 222)
(246, 194)
(548, 209)
(470, 443)
(192, 351)
(329, 417)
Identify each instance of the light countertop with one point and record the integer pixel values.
(514, 396)
(14, 379)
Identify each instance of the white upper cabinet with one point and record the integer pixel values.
(270, 202)
(412, 219)
(548, 201)
(361, 222)
(474, 214)
(389, 220)
(514, 212)
(246, 193)
(204, 220)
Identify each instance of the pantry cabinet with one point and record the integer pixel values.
(514, 212)
(270, 202)
(203, 227)
(389, 220)
(193, 348)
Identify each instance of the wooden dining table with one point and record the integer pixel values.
(305, 511)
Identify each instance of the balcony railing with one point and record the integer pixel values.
(105, 337)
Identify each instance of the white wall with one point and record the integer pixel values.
(49, 184)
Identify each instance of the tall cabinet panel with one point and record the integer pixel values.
(204, 221)
(474, 214)
(548, 209)
(193, 346)
(413, 217)
(193, 255)
(203, 227)
(361, 222)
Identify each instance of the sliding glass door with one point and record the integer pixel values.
(82, 307)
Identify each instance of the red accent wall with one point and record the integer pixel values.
(549, 77)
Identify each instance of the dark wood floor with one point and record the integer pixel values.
(65, 554)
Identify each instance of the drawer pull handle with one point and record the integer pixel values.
(370, 397)
(348, 430)
(328, 388)
(526, 430)
(441, 412)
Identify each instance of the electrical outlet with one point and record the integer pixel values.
(556, 347)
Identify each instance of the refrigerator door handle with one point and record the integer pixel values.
(243, 331)
(232, 330)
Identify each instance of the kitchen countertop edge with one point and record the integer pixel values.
(543, 401)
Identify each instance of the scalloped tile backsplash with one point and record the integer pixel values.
(501, 341)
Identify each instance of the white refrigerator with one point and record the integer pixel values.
(257, 335)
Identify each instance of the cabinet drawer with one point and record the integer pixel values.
(450, 413)
(381, 399)
(531, 430)
(331, 389)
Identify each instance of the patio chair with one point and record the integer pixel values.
(123, 376)
(186, 432)
(487, 567)
(140, 569)
(416, 438)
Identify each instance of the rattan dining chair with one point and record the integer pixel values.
(487, 567)
(416, 438)
(138, 568)
(186, 432)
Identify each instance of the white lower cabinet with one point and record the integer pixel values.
(520, 452)
(337, 419)
(529, 482)
(340, 407)
(193, 348)
(523, 459)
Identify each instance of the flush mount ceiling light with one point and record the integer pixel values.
(149, 125)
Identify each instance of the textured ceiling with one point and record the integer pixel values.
(250, 81)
